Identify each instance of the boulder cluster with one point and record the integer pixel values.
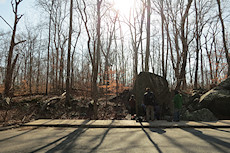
(201, 105)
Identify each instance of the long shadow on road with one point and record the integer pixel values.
(69, 142)
(215, 142)
(150, 139)
(27, 131)
(66, 143)
(102, 139)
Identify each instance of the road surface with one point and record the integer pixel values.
(115, 140)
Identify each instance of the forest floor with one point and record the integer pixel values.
(27, 108)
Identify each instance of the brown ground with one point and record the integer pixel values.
(25, 109)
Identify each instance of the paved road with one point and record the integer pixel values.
(114, 140)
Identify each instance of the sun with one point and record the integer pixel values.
(123, 6)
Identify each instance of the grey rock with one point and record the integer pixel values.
(199, 115)
(157, 84)
(218, 100)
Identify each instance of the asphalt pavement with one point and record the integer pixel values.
(116, 136)
(127, 124)
(40, 139)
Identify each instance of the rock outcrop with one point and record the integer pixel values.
(158, 85)
(199, 115)
(217, 100)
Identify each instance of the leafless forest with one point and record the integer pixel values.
(97, 48)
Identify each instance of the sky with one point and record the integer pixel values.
(26, 7)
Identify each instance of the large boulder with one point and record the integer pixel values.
(218, 100)
(199, 115)
(158, 85)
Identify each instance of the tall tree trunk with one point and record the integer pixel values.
(209, 58)
(69, 54)
(163, 41)
(97, 58)
(61, 77)
(52, 88)
(38, 73)
(197, 47)
(10, 64)
(201, 67)
(30, 83)
(184, 46)
(224, 39)
(148, 37)
(48, 54)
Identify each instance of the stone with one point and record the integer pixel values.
(217, 100)
(195, 105)
(158, 85)
(203, 114)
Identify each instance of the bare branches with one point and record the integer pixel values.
(10, 65)
(19, 42)
(85, 20)
(6, 22)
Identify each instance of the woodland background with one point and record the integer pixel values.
(93, 48)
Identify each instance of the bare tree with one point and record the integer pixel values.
(136, 36)
(224, 36)
(48, 54)
(97, 60)
(69, 54)
(11, 64)
(148, 36)
(184, 41)
(95, 56)
(201, 11)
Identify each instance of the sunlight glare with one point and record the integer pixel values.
(123, 6)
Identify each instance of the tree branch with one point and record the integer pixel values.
(6, 22)
(19, 42)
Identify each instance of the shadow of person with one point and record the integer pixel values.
(159, 131)
(150, 139)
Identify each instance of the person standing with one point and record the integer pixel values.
(149, 102)
(177, 100)
(132, 104)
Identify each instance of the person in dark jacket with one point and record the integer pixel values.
(177, 100)
(132, 104)
(149, 102)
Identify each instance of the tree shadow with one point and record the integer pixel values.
(150, 139)
(34, 128)
(67, 143)
(102, 139)
(221, 130)
(215, 142)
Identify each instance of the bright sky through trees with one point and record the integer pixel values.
(123, 6)
(26, 8)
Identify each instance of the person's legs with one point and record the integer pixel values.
(152, 113)
(148, 109)
(132, 112)
(176, 114)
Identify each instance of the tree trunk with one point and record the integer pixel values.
(38, 74)
(10, 65)
(184, 47)
(97, 58)
(68, 56)
(163, 41)
(148, 37)
(48, 54)
(30, 83)
(224, 39)
(197, 48)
